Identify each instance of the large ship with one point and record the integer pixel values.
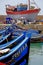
(22, 11)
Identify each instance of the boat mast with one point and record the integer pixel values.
(28, 4)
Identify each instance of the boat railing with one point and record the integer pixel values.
(18, 47)
(13, 41)
(3, 38)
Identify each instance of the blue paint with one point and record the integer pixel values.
(15, 48)
(11, 42)
(24, 38)
(22, 54)
(24, 62)
(21, 8)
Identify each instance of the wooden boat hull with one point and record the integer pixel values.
(27, 14)
(18, 54)
(37, 40)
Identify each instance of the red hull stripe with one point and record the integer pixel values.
(2, 63)
(23, 12)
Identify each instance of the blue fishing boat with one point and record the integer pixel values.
(15, 51)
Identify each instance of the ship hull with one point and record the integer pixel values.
(27, 14)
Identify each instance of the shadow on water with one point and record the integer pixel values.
(36, 54)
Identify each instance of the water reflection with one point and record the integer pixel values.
(36, 54)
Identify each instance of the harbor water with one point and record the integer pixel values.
(36, 54)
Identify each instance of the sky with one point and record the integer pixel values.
(15, 2)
